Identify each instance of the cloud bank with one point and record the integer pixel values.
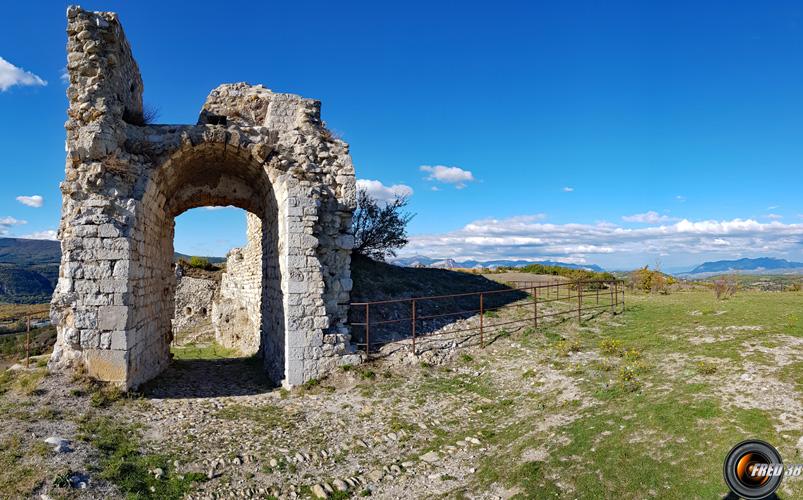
(650, 217)
(48, 234)
(529, 237)
(11, 75)
(7, 223)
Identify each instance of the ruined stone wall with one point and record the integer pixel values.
(126, 181)
(193, 304)
(237, 317)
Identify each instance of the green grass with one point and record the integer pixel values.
(202, 351)
(651, 419)
(19, 470)
(124, 464)
(265, 415)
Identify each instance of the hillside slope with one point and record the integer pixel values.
(380, 281)
(21, 286)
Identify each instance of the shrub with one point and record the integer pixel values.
(611, 346)
(146, 116)
(631, 355)
(380, 228)
(568, 346)
(199, 263)
(706, 368)
(651, 280)
(725, 287)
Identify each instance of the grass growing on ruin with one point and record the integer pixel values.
(211, 350)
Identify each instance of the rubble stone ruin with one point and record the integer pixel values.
(126, 180)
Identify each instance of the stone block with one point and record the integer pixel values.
(113, 318)
(107, 365)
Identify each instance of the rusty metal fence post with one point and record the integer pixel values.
(367, 330)
(28, 343)
(579, 302)
(482, 314)
(535, 307)
(413, 326)
(610, 288)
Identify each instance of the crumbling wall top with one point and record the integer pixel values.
(104, 77)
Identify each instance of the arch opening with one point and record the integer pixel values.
(247, 314)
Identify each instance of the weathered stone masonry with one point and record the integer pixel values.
(126, 181)
(237, 315)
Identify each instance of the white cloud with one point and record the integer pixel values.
(11, 221)
(65, 75)
(529, 237)
(380, 192)
(775, 216)
(7, 222)
(34, 201)
(568, 189)
(217, 208)
(651, 217)
(48, 234)
(448, 175)
(11, 75)
(680, 198)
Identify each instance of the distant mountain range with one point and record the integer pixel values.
(420, 260)
(761, 265)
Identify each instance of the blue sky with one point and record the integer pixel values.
(617, 133)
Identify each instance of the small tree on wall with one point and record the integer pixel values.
(380, 228)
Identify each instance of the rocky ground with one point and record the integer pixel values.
(557, 412)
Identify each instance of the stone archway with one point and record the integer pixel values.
(267, 153)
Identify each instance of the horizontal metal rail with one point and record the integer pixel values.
(590, 295)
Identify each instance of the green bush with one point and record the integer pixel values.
(651, 280)
(611, 346)
(706, 368)
(565, 347)
(199, 263)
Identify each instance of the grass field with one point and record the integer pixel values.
(669, 387)
(643, 404)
